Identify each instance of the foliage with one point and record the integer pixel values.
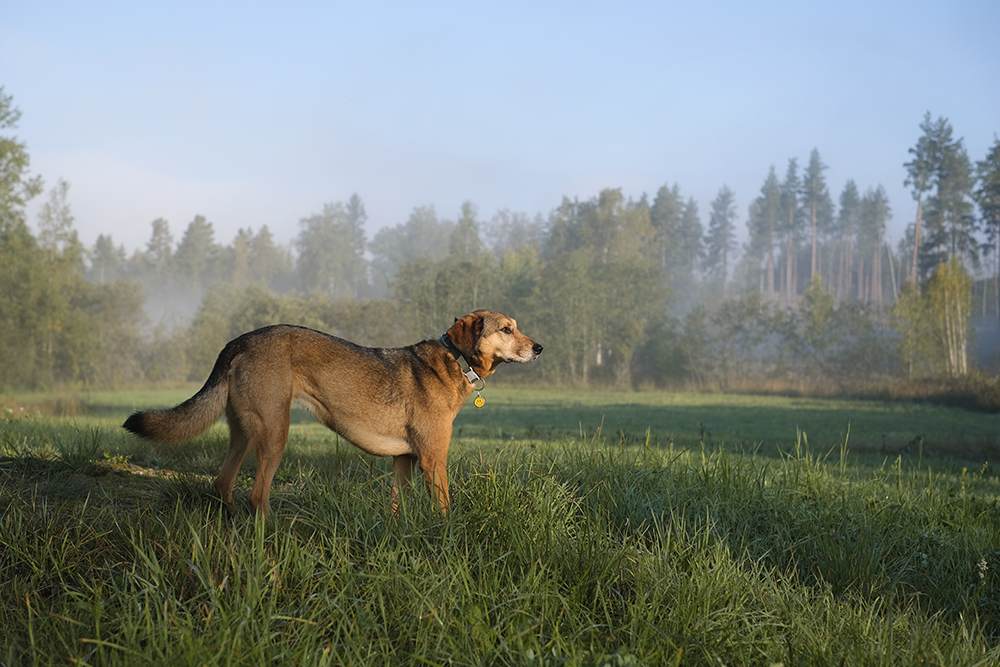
(941, 168)
(935, 326)
(602, 286)
(622, 292)
(949, 295)
(720, 241)
(331, 250)
(987, 196)
(16, 187)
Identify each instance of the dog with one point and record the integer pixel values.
(398, 402)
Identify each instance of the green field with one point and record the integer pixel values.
(587, 528)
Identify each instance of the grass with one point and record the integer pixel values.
(585, 543)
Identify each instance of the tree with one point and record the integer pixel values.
(23, 280)
(720, 240)
(816, 200)
(602, 286)
(508, 230)
(270, 264)
(874, 213)
(22, 297)
(951, 225)
(763, 223)
(987, 195)
(331, 249)
(911, 319)
(196, 253)
(16, 187)
(62, 258)
(934, 326)
(160, 248)
(949, 295)
(238, 257)
(422, 236)
(847, 226)
(791, 216)
(941, 169)
(107, 262)
(665, 217)
(919, 174)
(690, 233)
(464, 241)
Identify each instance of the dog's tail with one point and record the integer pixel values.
(193, 416)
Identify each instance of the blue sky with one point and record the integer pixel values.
(259, 113)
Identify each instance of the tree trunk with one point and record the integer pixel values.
(814, 266)
(789, 269)
(916, 246)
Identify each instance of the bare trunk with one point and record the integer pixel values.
(916, 246)
(877, 274)
(770, 266)
(892, 272)
(812, 275)
(789, 269)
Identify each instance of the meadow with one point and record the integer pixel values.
(588, 528)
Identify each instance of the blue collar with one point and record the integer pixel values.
(471, 375)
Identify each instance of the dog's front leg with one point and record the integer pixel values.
(402, 472)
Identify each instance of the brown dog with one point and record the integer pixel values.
(397, 402)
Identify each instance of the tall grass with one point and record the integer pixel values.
(562, 551)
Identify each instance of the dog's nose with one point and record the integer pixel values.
(537, 348)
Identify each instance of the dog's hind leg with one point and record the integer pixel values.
(238, 448)
(402, 472)
(269, 441)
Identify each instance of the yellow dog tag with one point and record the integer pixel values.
(480, 401)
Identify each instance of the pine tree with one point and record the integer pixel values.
(920, 174)
(160, 249)
(816, 201)
(874, 213)
(107, 262)
(690, 235)
(763, 223)
(987, 195)
(791, 220)
(847, 227)
(665, 217)
(270, 264)
(193, 260)
(951, 225)
(464, 241)
(720, 240)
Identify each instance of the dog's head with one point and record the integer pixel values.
(487, 338)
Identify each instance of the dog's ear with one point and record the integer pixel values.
(465, 331)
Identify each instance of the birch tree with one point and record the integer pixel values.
(949, 295)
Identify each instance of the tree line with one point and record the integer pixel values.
(623, 291)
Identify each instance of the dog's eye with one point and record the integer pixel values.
(505, 330)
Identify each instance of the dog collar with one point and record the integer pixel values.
(470, 374)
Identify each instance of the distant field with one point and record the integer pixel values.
(741, 530)
(737, 422)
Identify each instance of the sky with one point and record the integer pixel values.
(257, 114)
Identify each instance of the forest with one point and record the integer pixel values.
(624, 290)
